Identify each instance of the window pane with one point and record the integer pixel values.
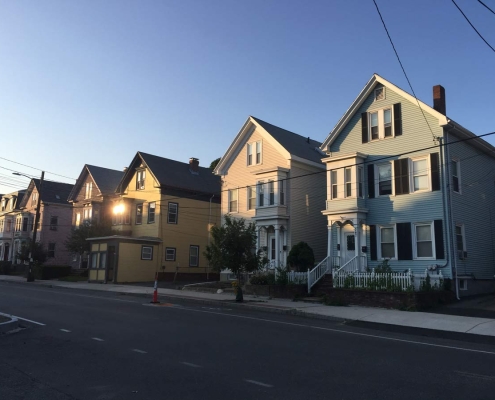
(387, 235)
(420, 182)
(424, 249)
(388, 250)
(103, 260)
(374, 119)
(420, 167)
(387, 116)
(423, 232)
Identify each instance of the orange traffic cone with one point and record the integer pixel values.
(155, 291)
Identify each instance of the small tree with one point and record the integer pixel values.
(233, 247)
(76, 243)
(39, 255)
(301, 257)
(214, 163)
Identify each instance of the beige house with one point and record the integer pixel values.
(276, 179)
(163, 213)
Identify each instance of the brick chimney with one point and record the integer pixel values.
(194, 165)
(439, 99)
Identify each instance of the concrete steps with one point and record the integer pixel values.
(324, 286)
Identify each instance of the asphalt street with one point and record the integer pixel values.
(92, 345)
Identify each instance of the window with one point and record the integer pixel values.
(387, 242)
(78, 219)
(249, 154)
(170, 254)
(384, 179)
(51, 250)
(34, 200)
(347, 182)
(381, 125)
(360, 182)
(374, 126)
(2, 223)
(463, 284)
(193, 256)
(3, 204)
(89, 190)
(103, 260)
(139, 214)
(423, 234)
(261, 194)
(18, 224)
(456, 185)
(251, 198)
(173, 213)
(87, 214)
(8, 225)
(420, 176)
(282, 193)
(379, 93)
(271, 192)
(127, 215)
(25, 221)
(94, 260)
(233, 197)
(146, 252)
(258, 152)
(151, 212)
(333, 183)
(459, 239)
(387, 122)
(140, 177)
(53, 223)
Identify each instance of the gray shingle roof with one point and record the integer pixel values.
(177, 174)
(295, 144)
(54, 192)
(106, 179)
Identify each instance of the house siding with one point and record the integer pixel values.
(384, 210)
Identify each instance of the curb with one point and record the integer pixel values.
(9, 325)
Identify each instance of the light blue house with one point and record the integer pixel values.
(408, 184)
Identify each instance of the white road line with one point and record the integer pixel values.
(23, 319)
(97, 339)
(140, 351)
(65, 330)
(258, 383)
(342, 331)
(191, 364)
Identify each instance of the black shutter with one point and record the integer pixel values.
(397, 119)
(404, 241)
(401, 176)
(371, 181)
(364, 127)
(435, 171)
(439, 250)
(373, 242)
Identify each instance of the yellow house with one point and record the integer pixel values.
(276, 179)
(163, 215)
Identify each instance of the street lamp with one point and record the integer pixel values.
(30, 277)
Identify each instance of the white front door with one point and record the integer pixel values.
(349, 250)
(271, 250)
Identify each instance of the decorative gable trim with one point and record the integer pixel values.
(363, 95)
(137, 163)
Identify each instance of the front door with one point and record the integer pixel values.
(271, 250)
(349, 247)
(110, 263)
(6, 252)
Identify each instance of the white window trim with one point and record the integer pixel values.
(261, 152)
(249, 146)
(414, 239)
(384, 93)
(253, 153)
(332, 184)
(379, 241)
(150, 254)
(251, 190)
(411, 174)
(230, 199)
(463, 233)
(346, 182)
(260, 184)
(377, 180)
(360, 182)
(166, 255)
(465, 281)
(381, 123)
(171, 203)
(197, 256)
(458, 172)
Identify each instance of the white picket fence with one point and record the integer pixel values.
(297, 277)
(386, 281)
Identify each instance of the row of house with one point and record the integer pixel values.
(395, 179)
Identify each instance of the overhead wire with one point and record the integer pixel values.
(479, 1)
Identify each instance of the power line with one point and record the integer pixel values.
(472, 26)
(479, 1)
(29, 166)
(403, 70)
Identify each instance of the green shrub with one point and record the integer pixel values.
(262, 279)
(45, 272)
(5, 267)
(301, 257)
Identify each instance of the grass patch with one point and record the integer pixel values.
(74, 278)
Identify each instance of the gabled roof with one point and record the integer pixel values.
(105, 179)
(291, 145)
(173, 174)
(368, 88)
(51, 192)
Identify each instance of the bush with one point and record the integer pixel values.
(5, 267)
(301, 257)
(45, 272)
(262, 279)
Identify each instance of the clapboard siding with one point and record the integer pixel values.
(307, 199)
(474, 207)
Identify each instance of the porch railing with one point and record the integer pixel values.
(318, 272)
(350, 266)
(375, 281)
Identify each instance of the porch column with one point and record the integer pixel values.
(329, 247)
(357, 242)
(277, 246)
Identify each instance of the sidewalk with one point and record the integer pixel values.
(440, 322)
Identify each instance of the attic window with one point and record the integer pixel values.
(380, 93)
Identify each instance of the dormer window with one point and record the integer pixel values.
(379, 93)
(89, 190)
(254, 153)
(140, 177)
(34, 199)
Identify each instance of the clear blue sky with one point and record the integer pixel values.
(95, 81)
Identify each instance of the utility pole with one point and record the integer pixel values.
(30, 277)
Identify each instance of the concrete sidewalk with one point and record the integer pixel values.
(423, 320)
